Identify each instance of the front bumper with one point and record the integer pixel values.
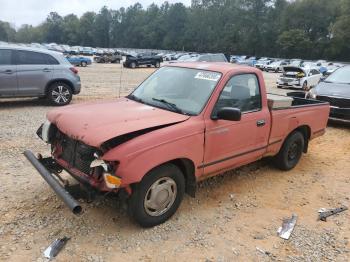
(66, 197)
(293, 84)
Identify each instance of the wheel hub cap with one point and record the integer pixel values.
(293, 151)
(160, 196)
(60, 94)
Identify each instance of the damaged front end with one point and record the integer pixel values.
(81, 161)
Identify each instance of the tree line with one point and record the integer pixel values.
(309, 29)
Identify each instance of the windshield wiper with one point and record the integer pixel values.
(169, 104)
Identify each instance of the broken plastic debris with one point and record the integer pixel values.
(263, 251)
(55, 247)
(287, 227)
(323, 213)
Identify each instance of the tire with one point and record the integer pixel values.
(143, 209)
(133, 65)
(83, 64)
(290, 152)
(59, 94)
(305, 87)
(279, 87)
(157, 64)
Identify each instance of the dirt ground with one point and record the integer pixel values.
(234, 217)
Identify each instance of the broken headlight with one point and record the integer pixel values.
(46, 131)
(109, 171)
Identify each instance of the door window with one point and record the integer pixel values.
(204, 58)
(50, 59)
(241, 91)
(30, 58)
(315, 72)
(5, 57)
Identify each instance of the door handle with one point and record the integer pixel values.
(261, 122)
(46, 70)
(9, 72)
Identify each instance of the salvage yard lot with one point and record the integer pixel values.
(230, 217)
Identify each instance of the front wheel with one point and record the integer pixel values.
(157, 64)
(291, 151)
(133, 65)
(83, 64)
(59, 94)
(157, 197)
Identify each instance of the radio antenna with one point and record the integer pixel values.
(120, 79)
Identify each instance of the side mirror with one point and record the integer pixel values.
(229, 113)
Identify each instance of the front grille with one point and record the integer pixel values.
(335, 101)
(76, 153)
(287, 80)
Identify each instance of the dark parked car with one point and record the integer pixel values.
(30, 72)
(335, 89)
(79, 60)
(148, 59)
(109, 58)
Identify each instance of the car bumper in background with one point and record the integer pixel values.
(293, 84)
(339, 114)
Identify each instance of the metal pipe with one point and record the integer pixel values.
(72, 204)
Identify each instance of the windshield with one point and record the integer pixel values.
(295, 63)
(177, 89)
(342, 76)
(184, 57)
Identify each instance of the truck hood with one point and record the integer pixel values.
(96, 123)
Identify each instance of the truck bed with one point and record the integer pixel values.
(299, 101)
(311, 115)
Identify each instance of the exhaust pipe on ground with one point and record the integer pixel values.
(72, 204)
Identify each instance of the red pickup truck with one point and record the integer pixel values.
(186, 122)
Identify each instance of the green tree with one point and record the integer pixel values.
(86, 29)
(340, 34)
(71, 28)
(294, 43)
(53, 28)
(7, 32)
(101, 27)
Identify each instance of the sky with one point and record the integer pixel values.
(18, 12)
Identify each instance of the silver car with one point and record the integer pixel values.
(30, 72)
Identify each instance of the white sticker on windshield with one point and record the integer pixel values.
(212, 76)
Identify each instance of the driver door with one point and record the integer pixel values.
(233, 143)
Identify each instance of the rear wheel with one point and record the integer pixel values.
(291, 151)
(59, 94)
(83, 64)
(133, 65)
(156, 198)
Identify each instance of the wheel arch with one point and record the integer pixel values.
(305, 130)
(187, 167)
